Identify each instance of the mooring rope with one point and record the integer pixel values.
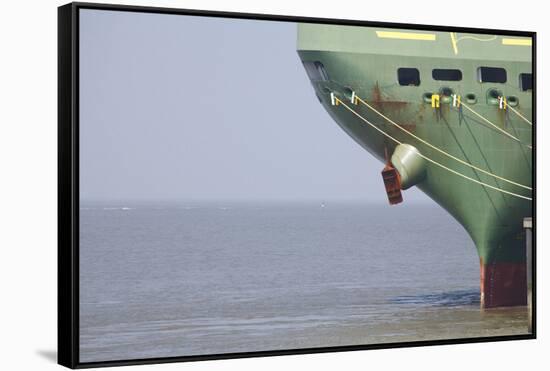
(495, 126)
(439, 149)
(520, 115)
(339, 101)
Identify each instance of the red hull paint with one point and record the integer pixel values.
(503, 284)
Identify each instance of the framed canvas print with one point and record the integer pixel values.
(236, 185)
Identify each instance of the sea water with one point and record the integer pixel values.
(193, 278)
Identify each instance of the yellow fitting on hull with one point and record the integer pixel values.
(435, 100)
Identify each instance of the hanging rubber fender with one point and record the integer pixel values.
(410, 165)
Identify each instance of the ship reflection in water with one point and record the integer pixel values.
(445, 299)
(186, 279)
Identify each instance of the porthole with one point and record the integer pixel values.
(427, 97)
(471, 98)
(446, 94)
(512, 100)
(446, 91)
(492, 96)
(347, 92)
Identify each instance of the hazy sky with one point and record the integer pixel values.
(181, 107)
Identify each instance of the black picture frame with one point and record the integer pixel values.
(68, 183)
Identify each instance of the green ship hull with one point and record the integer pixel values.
(363, 62)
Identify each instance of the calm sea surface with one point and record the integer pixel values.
(161, 280)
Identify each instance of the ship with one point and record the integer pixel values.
(447, 112)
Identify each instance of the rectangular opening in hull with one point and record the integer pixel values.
(491, 74)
